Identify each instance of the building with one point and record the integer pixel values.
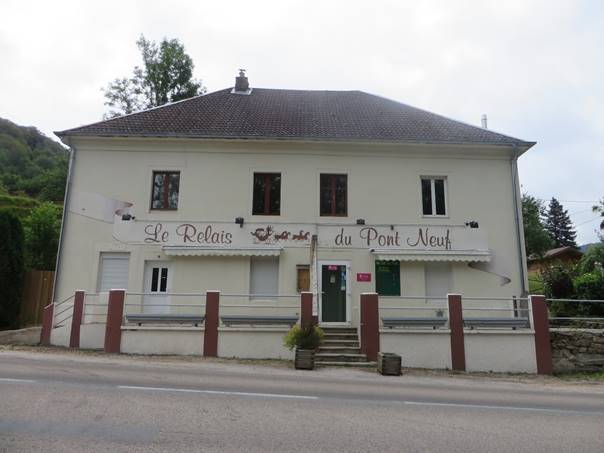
(567, 256)
(263, 193)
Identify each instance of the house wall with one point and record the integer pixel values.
(216, 185)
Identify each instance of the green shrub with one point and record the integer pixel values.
(11, 268)
(593, 255)
(309, 337)
(558, 284)
(590, 286)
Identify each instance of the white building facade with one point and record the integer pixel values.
(263, 193)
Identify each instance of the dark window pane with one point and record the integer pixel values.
(426, 197)
(154, 279)
(258, 202)
(166, 186)
(275, 195)
(267, 194)
(333, 195)
(388, 278)
(439, 194)
(326, 195)
(164, 280)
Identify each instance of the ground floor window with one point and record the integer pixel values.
(388, 278)
(113, 271)
(264, 276)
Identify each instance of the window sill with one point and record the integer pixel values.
(425, 216)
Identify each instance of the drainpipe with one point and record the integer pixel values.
(518, 218)
(64, 217)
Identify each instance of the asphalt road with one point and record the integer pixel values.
(66, 402)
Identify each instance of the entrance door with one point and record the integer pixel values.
(157, 287)
(333, 292)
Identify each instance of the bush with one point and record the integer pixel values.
(309, 337)
(593, 255)
(11, 268)
(42, 230)
(590, 286)
(558, 284)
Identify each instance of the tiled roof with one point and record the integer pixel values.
(295, 114)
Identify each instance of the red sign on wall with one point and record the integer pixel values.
(363, 277)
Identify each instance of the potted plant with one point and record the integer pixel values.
(306, 340)
(389, 364)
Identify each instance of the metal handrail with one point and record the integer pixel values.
(165, 305)
(495, 309)
(63, 311)
(64, 300)
(257, 306)
(166, 294)
(578, 301)
(509, 299)
(413, 297)
(63, 320)
(415, 308)
(272, 296)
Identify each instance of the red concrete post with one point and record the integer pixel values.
(47, 319)
(306, 318)
(76, 319)
(210, 334)
(370, 325)
(458, 350)
(543, 347)
(115, 313)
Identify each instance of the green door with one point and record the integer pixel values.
(333, 300)
(388, 278)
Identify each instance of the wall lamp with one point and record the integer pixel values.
(472, 224)
(128, 217)
(239, 221)
(360, 221)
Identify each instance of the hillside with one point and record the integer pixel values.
(31, 166)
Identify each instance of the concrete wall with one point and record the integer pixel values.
(253, 343)
(418, 348)
(577, 349)
(92, 336)
(59, 336)
(216, 181)
(161, 341)
(500, 350)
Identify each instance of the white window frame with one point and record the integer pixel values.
(433, 197)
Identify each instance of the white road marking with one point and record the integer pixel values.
(16, 380)
(218, 392)
(486, 406)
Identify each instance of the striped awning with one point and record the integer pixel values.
(178, 250)
(432, 255)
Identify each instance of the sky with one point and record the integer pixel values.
(536, 68)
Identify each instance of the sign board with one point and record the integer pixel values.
(363, 277)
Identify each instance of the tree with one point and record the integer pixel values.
(599, 208)
(11, 268)
(559, 225)
(536, 238)
(42, 229)
(166, 76)
(593, 259)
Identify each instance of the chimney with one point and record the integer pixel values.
(483, 120)
(241, 83)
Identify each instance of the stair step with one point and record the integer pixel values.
(339, 336)
(336, 357)
(346, 364)
(341, 344)
(338, 350)
(340, 329)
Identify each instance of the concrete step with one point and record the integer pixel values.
(337, 357)
(338, 350)
(340, 329)
(342, 343)
(341, 336)
(346, 364)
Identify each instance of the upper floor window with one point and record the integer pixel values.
(334, 195)
(434, 196)
(267, 194)
(165, 190)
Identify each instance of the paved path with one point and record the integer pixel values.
(67, 402)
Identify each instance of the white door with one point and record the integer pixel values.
(158, 280)
(113, 271)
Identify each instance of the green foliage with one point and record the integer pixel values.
(166, 76)
(537, 239)
(309, 337)
(31, 163)
(42, 229)
(558, 281)
(599, 208)
(559, 225)
(591, 258)
(11, 268)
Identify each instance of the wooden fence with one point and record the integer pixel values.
(37, 293)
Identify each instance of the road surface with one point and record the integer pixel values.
(67, 402)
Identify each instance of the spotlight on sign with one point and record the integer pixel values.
(239, 221)
(360, 221)
(472, 224)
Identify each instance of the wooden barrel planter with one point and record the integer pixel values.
(305, 359)
(389, 364)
